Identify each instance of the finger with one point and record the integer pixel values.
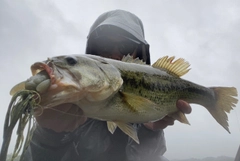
(168, 119)
(184, 106)
(161, 124)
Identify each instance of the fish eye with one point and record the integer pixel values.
(71, 61)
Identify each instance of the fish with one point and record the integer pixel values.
(125, 92)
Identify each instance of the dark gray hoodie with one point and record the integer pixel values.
(92, 141)
(121, 22)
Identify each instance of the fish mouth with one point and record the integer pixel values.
(53, 82)
(43, 77)
(45, 68)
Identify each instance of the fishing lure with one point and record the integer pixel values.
(20, 110)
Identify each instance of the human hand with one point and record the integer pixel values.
(65, 117)
(167, 120)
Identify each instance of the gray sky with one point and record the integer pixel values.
(205, 33)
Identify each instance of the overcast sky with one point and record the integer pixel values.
(205, 32)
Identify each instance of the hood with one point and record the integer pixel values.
(126, 23)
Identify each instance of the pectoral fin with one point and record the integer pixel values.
(180, 117)
(125, 127)
(137, 103)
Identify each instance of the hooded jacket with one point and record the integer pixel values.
(92, 141)
(123, 23)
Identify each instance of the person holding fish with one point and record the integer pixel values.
(61, 137)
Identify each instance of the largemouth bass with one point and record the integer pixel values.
(124, 92)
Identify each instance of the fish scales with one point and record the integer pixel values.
(163, 89)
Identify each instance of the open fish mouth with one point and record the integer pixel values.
(42, 79)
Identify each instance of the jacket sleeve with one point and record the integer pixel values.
(152, 145)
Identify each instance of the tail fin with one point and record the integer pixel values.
(225, 101)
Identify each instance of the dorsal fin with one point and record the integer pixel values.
(130, 59)
(177, 68)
